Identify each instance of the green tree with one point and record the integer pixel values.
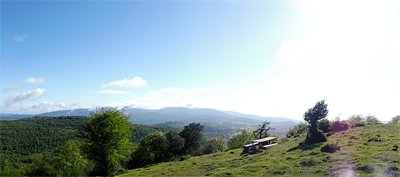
(262, 130)
(369, 120)
(312, 116)
(41, 166)
(71, 161)
(297, 130)
(214, 145)
(193, 135)
(150, 150)
(325, 125)
(395, 119)
(6, 169)
(175, 144)
(356, 120)
(107, 132)
(239, 139)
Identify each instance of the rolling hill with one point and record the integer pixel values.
(225, 120)
(362, 151)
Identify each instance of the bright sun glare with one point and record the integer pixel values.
(349, 42)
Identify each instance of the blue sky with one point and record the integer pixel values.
(270, 58)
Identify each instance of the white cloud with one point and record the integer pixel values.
(168, 97)
(37, 108)
(12, 87)
(136, 82)
(52, 106)
(19, 97)
(113, 92)
(33, 80)
(19, 38)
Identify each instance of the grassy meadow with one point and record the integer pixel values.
(360, 151)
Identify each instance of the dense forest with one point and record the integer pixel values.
(104, 144)
(20, 139)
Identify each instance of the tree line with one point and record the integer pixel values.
(21, 139)
(103, 146)
(317, 125)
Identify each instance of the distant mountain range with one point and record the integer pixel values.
(179, 116)
(158, 116)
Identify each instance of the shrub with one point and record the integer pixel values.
(369, 120)
(395, 119)
(297, 130)
(355, 121)
(327, 147)
(338, 126)
(185, 157)
(214, 145)
(240, 139)
(325, 125)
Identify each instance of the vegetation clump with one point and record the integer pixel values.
(239, 139)
(328, 147)
(356, 121)
(107, 132)
(312, 116)
(297, 130)
(370, 120)
(395, 119)
(338, 126)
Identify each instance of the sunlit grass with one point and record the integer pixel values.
(360, 154)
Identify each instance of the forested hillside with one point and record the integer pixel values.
(22, 138)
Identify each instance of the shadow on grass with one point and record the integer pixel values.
(305, 146)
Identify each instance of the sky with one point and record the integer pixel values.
(265, 57)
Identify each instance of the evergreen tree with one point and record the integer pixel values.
(312, 116)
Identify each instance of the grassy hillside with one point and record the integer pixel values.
(362, 151)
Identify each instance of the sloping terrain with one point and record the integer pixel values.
(360, 151)
(25, 137)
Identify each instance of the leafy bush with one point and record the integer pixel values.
(356, 121)
(327, 147)
(338, 126)
(395, 119)
(297, 130)
(325, 125)
(185, 157)
(7, 169)
(214, 145)
(370, 120)
(41, 166)
(240, 139)
(71, 162)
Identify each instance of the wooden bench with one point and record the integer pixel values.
(269, 145)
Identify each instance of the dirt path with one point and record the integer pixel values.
(342, 162)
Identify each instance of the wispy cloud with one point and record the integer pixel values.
(52, 106)
(136, 82)
(33, 80)
(113, 92)
(170, 97)
(12, 87)
(19, 97)
(36, 108)
(19, 38)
